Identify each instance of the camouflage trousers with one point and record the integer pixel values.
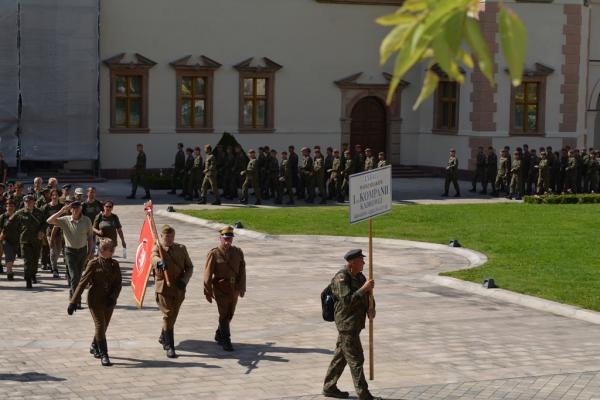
(516, 185)
(348, 350)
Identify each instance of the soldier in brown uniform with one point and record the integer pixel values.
(179, 267)
(104, 275)
(225, 281)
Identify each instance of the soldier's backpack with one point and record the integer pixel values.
(328, 299)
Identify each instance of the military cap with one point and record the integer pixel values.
(28, 197)
(66, 186)
(305, 149)
(75, 204)
(166, 229)
(68, 199)
(352, 254)
(227, 232)
(45, 189)
(79, 191)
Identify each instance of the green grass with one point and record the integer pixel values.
(549, 251)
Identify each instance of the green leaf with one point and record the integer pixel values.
(396, 19)
(430, 83)
(513, 39)
(465, 58)
(480, 48)
(393, 42)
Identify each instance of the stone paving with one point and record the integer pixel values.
(431, 342)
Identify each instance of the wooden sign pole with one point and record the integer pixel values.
(371, 350)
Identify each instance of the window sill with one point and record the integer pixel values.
(437, 131)
(129, 130)
(256, 130)
(531, 134)
(194, 130)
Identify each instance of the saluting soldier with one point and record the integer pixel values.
(210, 177)
(307, 175)
(177, 264)
(452, 174)
(319, 171)
(30, 223)
(285, 179)
(515, 177)
(369, 159)
(479, 174)
(103, 274)
(381, 162)
(251, 179)
(225, 281)
(346, 172)
(351, 290)
(543, 178)
(178, 168)
(139, 174)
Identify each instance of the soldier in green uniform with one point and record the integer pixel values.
(502, 174)
(103, 274)
(593, 168)
(31, 225)
(9, 235)
(177, 264)
(195, 175)
(138, 176)
(225, 281)
(272, 170)
(570, 185)
(319, 171)
(285, 180)
(479, 174)
(358, 160)
(18, 195)
(55, 246)
(515, 177)
(369, 159)
(335, 175)
(327, 165)
(381, 162)
(210, 177)
(307, 174)
(352, 291)
(43, 198)
(251, 179)
(239, 166)
(543, 178)
(452, 174)
(187, 173)
(531, 177)
(491, 168)
(346, 172)
(3, 169)
(178, 168)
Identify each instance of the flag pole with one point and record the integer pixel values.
(371, 350)
(150, 216)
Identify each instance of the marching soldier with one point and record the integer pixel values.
(139, 171)
(381, 162)
(319, 171)
(187, 173)
(225, 281)
(307, 175)
(55, 246)
(543, 179)
(352, 290)
(229, 174)
(570, 185)
(346, 172)
(210, 177)
(515, 177)
(452, 174)
(195, 175)
(251, 179)
(178, 168)
(239, 166)
(491, 168)
(502, 175)
(369, 159)
(335, 175)
(479, 174)
(179, 268)
(103, 274)
(30, 223)
(285, 179)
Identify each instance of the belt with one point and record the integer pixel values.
(231, 280)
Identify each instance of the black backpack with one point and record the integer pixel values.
(328, 301)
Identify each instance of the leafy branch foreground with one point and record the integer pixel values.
(549, 251)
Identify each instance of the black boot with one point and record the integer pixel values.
(218, 337)
(163, 340)
(201, 201)
(226, 336)
(217, 202)
(169, 335)
(10, 276)
(94, 349)
(28, 284)
(103, 349)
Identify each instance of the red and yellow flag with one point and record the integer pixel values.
(142, 264)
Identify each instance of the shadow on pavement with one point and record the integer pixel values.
(136, 363)
(248, 355)
(30, 377)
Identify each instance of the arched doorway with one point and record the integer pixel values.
(369, 124)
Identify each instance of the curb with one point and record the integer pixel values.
(474, 258)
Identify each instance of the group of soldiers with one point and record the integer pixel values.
(229, 172)
(530, 172)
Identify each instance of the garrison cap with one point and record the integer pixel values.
(227, 232)
(352, 254)
(75, 204)
(166, 229)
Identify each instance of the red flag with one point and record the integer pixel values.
(142, 264)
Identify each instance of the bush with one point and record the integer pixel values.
(563, 199)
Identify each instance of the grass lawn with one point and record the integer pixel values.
(549, 251)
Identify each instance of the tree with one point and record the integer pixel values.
(447, 33)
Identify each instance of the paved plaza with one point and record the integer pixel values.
(431, 342)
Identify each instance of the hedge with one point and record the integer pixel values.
(563, 199)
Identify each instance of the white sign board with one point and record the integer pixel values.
(370, 194)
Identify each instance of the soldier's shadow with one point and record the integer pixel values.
(137, 363)
(30, 377)
(249, 355)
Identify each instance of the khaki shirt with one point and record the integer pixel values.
(76, 233)
(104, 277)
(179, 267)
(225, 269)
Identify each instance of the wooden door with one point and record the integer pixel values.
(369, 125)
